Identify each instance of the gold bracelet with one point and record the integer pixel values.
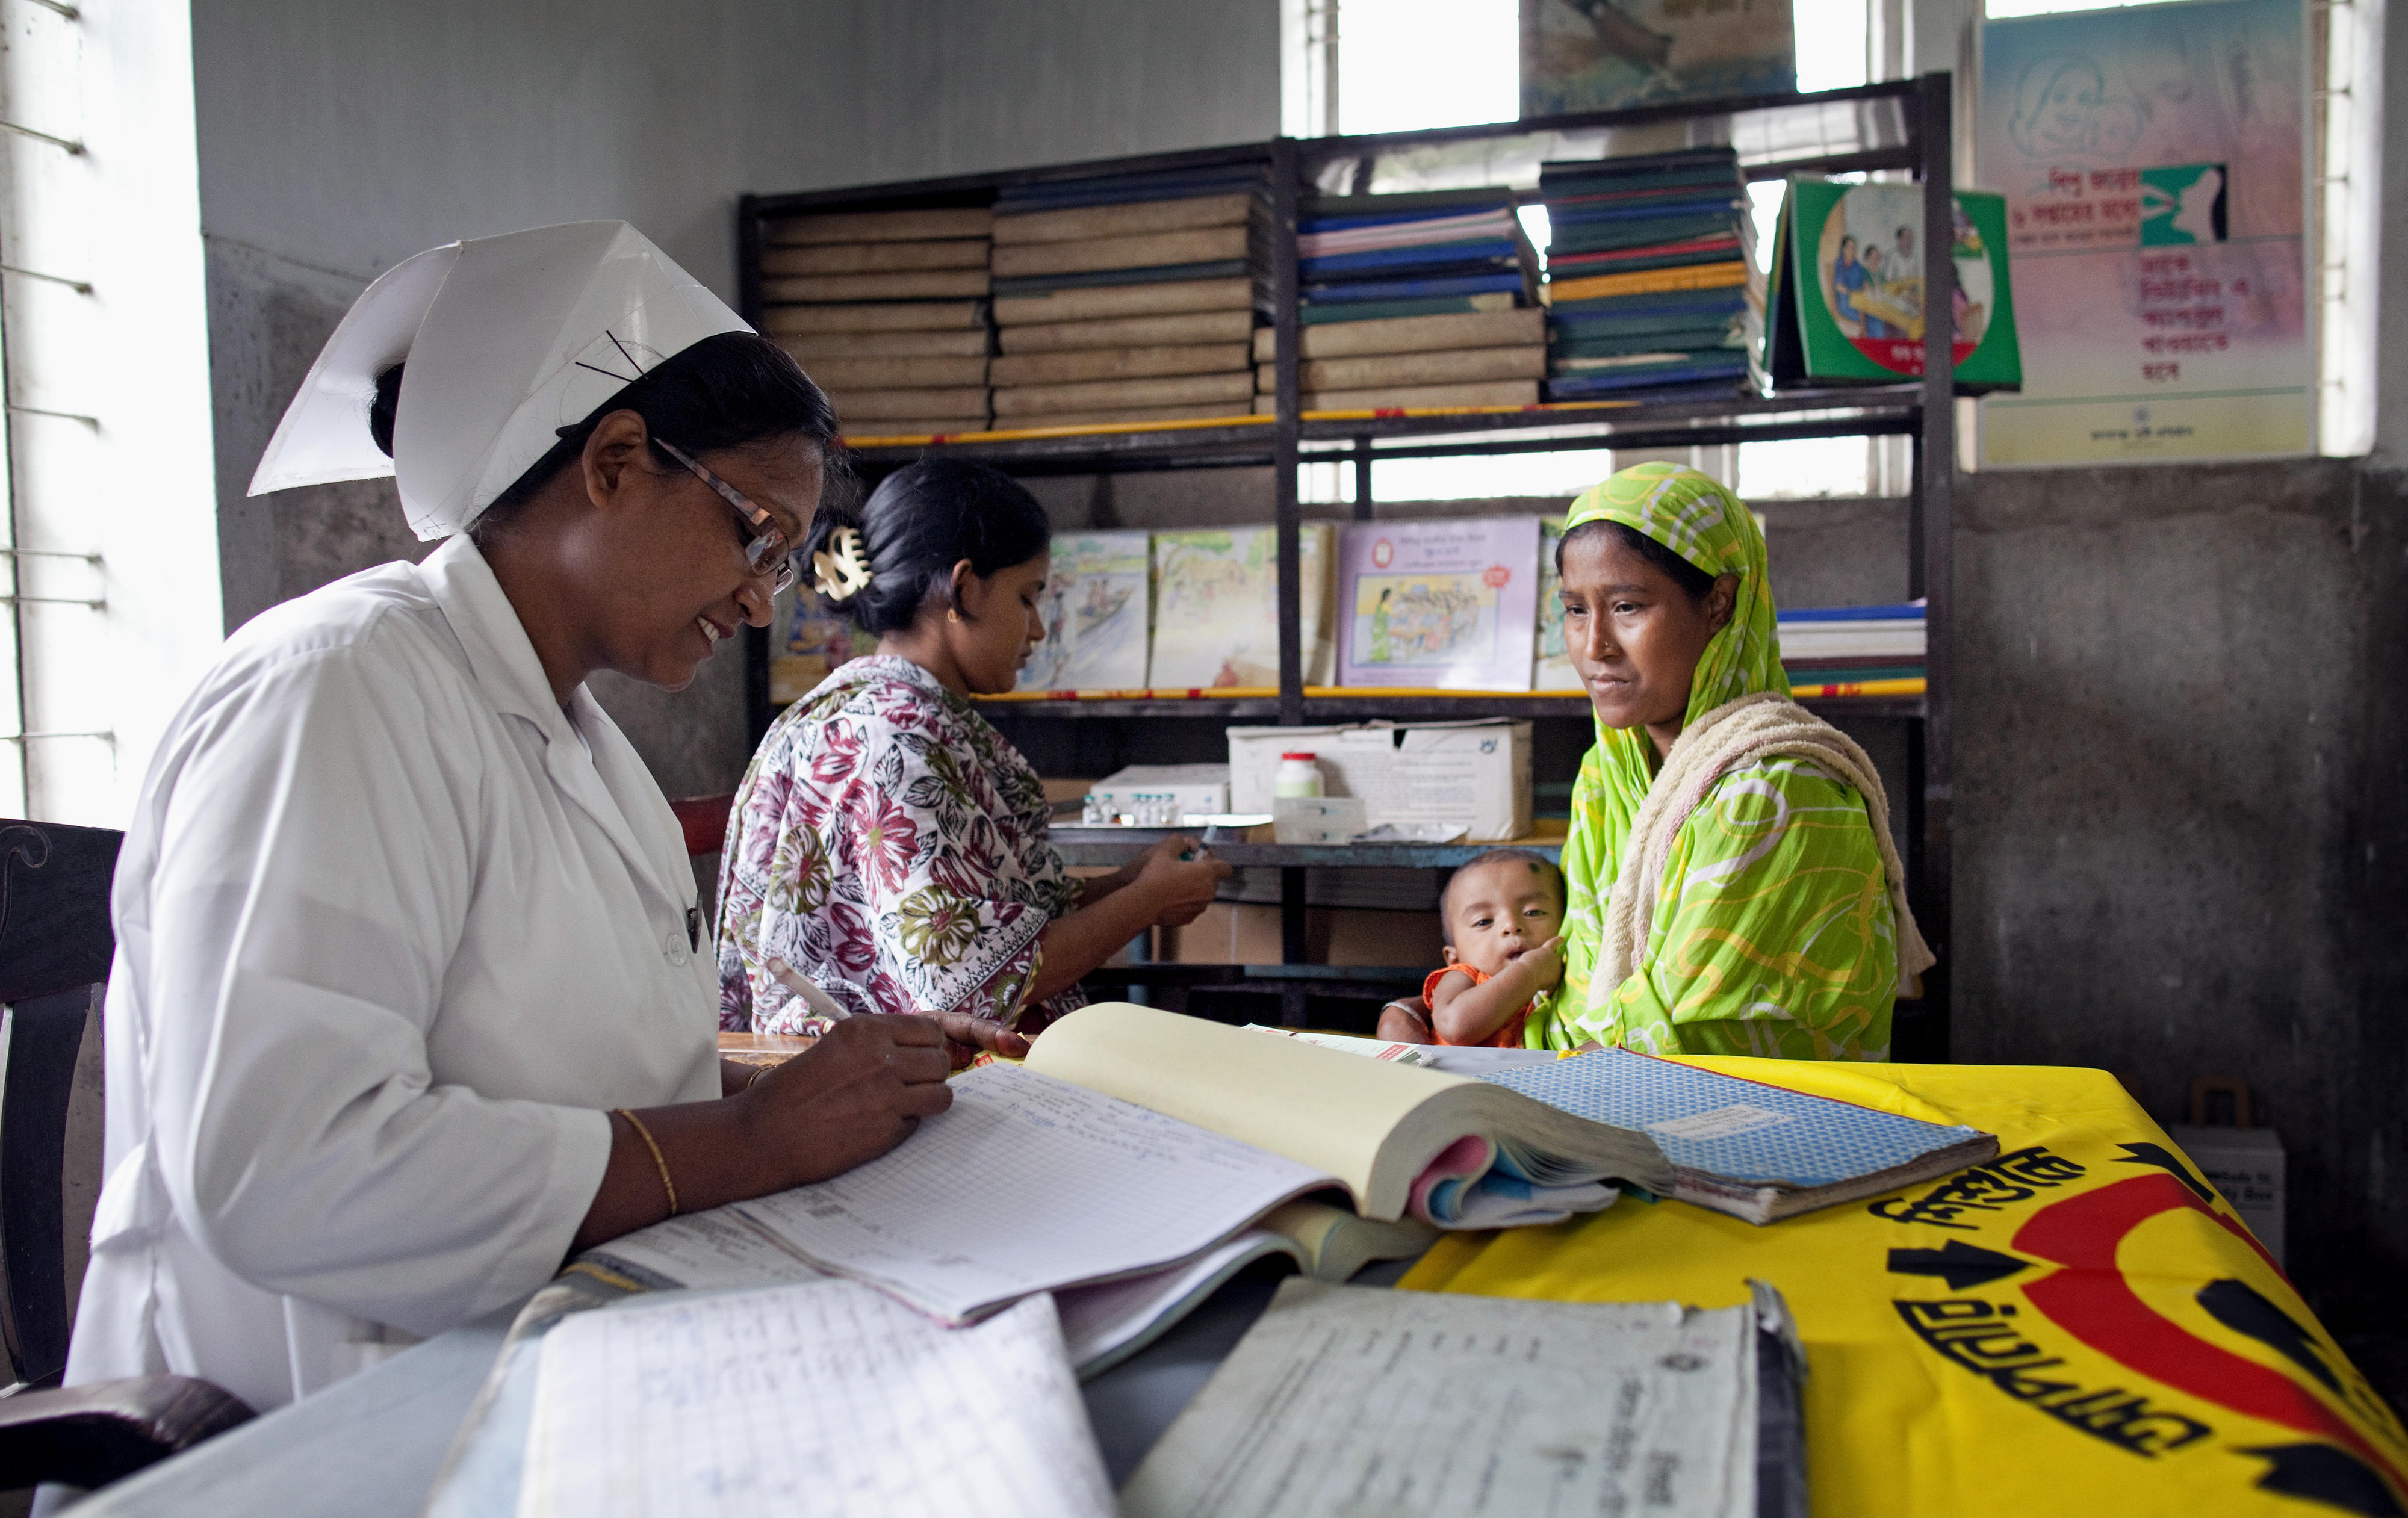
(754, 1078)
(646, 1134)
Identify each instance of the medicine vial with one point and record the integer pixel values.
(1298, 775)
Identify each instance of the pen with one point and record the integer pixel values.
(820, 1002)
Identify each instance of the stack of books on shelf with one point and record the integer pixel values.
(888, 311)
(1864, 651)
(1474, 359)
(1413, 300)
(1131, 298)
(1651, 278)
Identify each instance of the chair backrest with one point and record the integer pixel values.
(56, 945)
(705, 821)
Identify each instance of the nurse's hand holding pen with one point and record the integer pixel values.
(852, 1095)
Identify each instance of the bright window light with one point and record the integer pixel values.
(1801, 467)
(1830, 56)
(1830, 43)
(1403, 64)
(1565, 474)
(2002, 8)
(1764, 209)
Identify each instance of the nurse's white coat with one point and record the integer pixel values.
(391, 936)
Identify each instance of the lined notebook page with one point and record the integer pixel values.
(818, 1398)
(1026, 1184)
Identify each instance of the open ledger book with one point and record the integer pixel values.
(1753, 1150)
(1136, 1140)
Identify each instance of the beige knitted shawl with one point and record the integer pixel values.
(1734, 734)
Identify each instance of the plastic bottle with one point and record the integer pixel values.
(1298, 775)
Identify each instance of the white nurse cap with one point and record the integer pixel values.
(507, 339)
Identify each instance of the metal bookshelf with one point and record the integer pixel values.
(1903, 125)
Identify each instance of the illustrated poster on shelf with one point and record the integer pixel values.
(1552, 667)
(1216, 607)
(1447, 604)
(808, 641)
(1096, 607)
(1604, 54)
(2154, 161)
(1847, 288)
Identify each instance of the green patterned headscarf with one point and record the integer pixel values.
(1695, 517)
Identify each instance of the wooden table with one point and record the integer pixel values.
(762, 1048)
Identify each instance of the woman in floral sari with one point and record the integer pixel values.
(888, 845)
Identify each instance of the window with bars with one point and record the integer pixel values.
(58, 736)
(1373, 66)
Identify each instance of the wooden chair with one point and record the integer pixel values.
(55, 946)
(705, 821)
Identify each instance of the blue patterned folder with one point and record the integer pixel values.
(1756, 1151)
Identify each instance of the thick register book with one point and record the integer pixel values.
(1136, 1140)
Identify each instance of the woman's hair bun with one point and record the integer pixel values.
(384, 408)
(920, 521)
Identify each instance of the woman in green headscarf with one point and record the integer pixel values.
(1729, 880)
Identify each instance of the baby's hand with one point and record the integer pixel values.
(1546, 964)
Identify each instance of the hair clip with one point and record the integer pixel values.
(840, 576)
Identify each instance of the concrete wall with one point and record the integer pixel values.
(335, 140)
(2181, 802)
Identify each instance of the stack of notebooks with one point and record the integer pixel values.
(888, 311)
(1854, 650)
(1651, 278)
(1373, 270)
(1129, 299)
(1476, 358)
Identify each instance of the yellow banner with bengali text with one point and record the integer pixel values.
(2082, 1324)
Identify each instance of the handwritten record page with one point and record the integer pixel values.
(822, 1397)
(1350, 1399)
(1095, 1189)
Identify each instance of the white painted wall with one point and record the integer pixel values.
(335, 140)
(108, 399)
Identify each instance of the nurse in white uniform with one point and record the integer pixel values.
(407, 1005)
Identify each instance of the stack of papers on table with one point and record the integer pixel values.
(1345, 1399)
(818, 1398)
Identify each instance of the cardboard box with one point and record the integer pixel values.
(2247, 1165)
(1472, 775)
(1315, 818)
(1193, 788)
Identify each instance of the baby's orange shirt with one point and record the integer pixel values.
(1507, 1035)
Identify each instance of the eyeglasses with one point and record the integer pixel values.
(765, 551)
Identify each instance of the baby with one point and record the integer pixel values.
(1502, 916)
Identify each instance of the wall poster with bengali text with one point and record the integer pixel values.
(2154, 160)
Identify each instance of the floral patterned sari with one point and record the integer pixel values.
(890, 845)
